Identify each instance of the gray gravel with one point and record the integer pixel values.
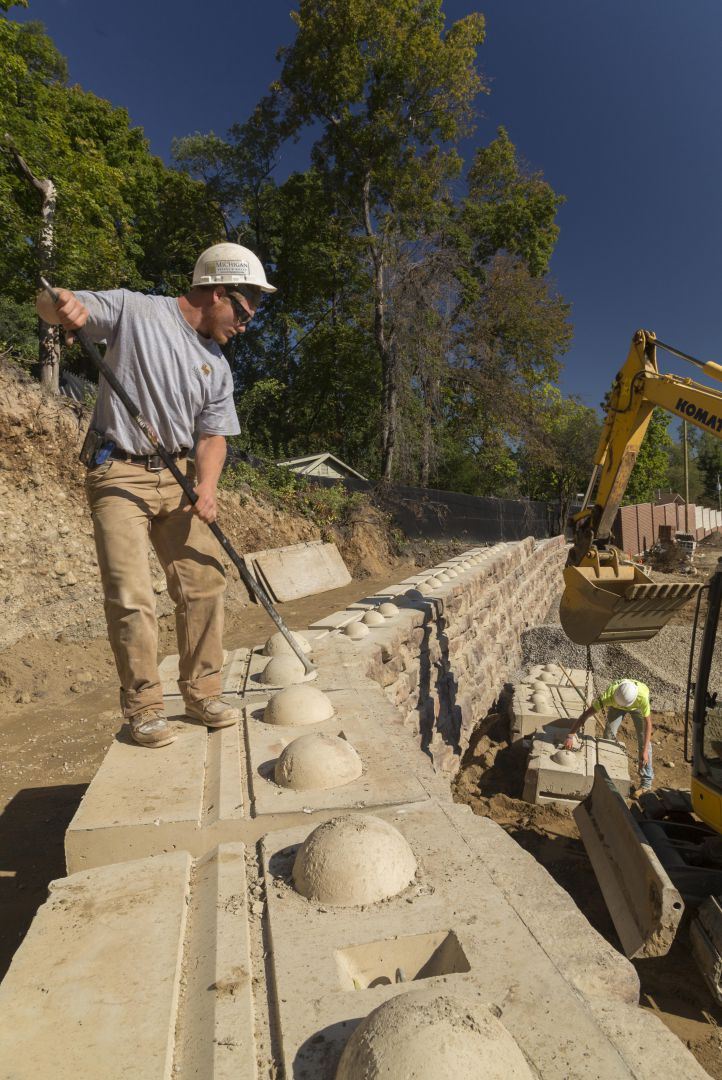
(661, 663)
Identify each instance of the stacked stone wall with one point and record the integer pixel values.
(448, 669)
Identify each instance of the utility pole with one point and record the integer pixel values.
(686, 478)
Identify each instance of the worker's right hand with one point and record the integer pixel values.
(71, 314)
(569, 742)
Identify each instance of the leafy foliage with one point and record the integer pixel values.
(651, 469)
(123, 218)
(709, 462)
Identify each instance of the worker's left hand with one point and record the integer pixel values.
(644, 757)
(206, 507)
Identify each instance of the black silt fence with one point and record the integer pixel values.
(450, 515)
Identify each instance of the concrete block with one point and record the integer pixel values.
(554, 775)
(545, 707)
(298, 570)
(122, 957)
(187, 796)
(644, 904)
(386, 779)
(454, 930)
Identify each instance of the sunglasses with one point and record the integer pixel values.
(252, 293)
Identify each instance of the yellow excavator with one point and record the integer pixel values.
(662, 869)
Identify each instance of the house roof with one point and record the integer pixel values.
(669, 497)
(306, 465)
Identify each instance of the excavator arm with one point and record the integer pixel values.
(607, 597)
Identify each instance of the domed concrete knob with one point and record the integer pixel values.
(566, 758)
(283, 670)
(356, 630)
(373, 618)
(317, 761)
(298, 705)
(388, 610)
(278, 646)
(431, 1034)
(351, 861)
(431, 583)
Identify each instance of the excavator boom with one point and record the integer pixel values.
(607, 597)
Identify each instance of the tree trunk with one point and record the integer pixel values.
(384, 345)
(48, 336)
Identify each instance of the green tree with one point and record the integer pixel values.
(412, 301)
(557, 455)
(651, 469)
(393, 93)
(709, 461)
(122, 217)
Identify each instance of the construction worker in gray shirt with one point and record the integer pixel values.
(166, 353)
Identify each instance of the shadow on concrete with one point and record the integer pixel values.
(32, 833)
(319, 1055)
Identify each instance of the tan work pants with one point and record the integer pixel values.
(128, 504)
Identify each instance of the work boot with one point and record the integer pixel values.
(641, 790)
(150, 727)
(214, 712)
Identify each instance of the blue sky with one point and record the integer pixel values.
(617, 103)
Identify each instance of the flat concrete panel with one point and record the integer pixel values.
(298, 570)
(643, 903)
(187, 795)
(93, 990)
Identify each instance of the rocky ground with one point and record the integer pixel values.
(58, 696)
(491, 782)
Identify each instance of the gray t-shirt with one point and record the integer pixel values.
(180, 381)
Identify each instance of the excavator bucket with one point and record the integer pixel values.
(618, 602)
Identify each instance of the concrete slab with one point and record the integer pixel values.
(93, 990)
(336, 620)
(386, 779)
(188, 796)
(215, 1034)
(452, 929)
(233, 673)
(568, 780)
(140, 969)
(551, 709)
(644, 904)
(298, 570)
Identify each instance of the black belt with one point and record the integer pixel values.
(152, 462)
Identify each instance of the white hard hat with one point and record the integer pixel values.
(230, 264)
(625, 694)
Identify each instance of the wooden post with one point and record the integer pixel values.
(48, 336)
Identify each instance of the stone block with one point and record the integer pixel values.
(140, 969)
(569, 779)
(458, 928)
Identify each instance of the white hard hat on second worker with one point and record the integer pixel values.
(625, 694)
(230, 264)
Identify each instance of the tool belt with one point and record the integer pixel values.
(152, 462)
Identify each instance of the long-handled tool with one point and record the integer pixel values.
(249, 581)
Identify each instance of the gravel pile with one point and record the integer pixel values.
(662, 662)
